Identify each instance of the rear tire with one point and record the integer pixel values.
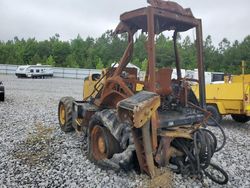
(215, 115)
(65, 114)
(241, 118)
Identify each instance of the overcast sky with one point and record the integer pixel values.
(43, 18)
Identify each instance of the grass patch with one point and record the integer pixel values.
(36, 148)
(163, 179)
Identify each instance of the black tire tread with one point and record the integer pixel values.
(2, 94)
(115, 147)
(241, 118)
(67, 102)
(215, 114)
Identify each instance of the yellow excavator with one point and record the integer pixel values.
(161, 124)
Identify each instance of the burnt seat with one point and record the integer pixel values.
(163, 81)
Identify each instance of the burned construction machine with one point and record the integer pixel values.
(162, 124)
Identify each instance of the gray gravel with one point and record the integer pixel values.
(34, 152)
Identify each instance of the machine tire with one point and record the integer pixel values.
(2, 94)
(101, 143)
(241, 118)
(65, 114)
(215, 114)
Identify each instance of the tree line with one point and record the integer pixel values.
(107, 49)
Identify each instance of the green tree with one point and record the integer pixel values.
(136, 62)
(30, 49)
(36, 59)
(99, 64)
(144, 65)
(60, 51)
(50, 61)
(211, 56)
(164, 52)
(224, 45)
(71, 62)
(188, 54)
(140, 50)
(104, 50)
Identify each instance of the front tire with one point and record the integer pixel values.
(65, 114)
(241, 118)
(101, 143)
(215, 115)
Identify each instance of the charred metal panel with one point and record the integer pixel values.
(139, 107)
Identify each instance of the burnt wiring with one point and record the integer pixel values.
(209, 116)
(223, 133)
(197, 159)
(198, 152)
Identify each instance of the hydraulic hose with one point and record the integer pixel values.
(223, 133)
(198, 153)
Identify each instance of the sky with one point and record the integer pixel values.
(44, 18)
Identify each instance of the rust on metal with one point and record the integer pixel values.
(163, 81)
(143, 112)
(161, 123)
(141, 107)
(98, 144)
(171, 6)
(148, 149)
(154, 127)
(152, 133)
(177, 58)
(154, 19)
(163, 152)
(180, 131)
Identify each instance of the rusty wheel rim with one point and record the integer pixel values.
(62, 117)
(98, 143)
(101, 145)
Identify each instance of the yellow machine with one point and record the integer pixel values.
(92, 83)
(229, 98)
(147, 124)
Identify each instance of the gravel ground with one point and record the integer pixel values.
(36, 153)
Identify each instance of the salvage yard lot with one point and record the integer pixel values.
(34, 152)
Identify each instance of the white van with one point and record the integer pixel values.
(34, 71)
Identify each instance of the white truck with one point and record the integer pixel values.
(210, 77)
(34, 71)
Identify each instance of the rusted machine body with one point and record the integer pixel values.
(150, 127)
